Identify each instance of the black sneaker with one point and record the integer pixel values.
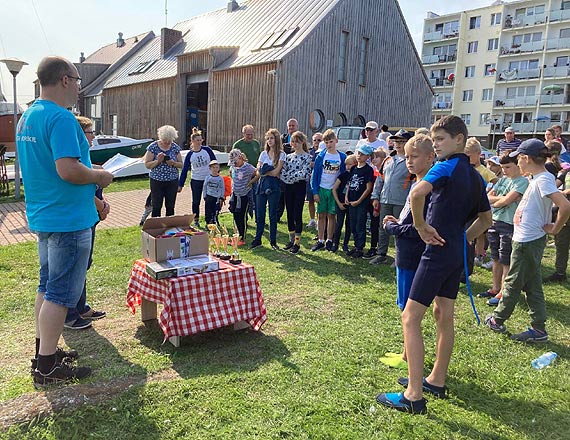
(254, 244)
(345, 249)
(379, 259)
(531, 335)
(350, 252)
(61, 355)
(334, 248)
(78, 324)
(357, 254)
(61, 373)
(288, 246)
(274, 246)
(295, 249)
(328, 245)
(368, 255)
(555, 278)
(318, 246)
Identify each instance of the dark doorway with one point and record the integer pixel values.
(197, 108)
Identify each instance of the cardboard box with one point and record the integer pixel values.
(156, 248)
(160, 270)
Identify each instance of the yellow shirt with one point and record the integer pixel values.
(487, 174)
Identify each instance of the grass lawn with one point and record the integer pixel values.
(312, 372)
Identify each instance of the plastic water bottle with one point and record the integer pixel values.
(544, 360)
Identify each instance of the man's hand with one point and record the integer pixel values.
(389, 218)
(550, 229)
(316, 198)
(430, 235)
(105, 211)
(179, 189)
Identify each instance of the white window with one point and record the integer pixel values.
(555, 116)
(472, 46)
(466, 118)
(114, 125)
(342, 57)
(484, 118)
(487, 95)
(490, 69)
(496, 19)
(469, 71)
(449, 28)
(513, 92)
(475, 22)
(523, 64)
(467, 95)
(526, 38)
(565, 33)
(493, 44)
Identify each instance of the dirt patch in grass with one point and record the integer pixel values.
(301, 300)
(45, 403)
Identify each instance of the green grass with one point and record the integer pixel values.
(313, 371)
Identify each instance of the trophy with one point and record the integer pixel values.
(235, 259)
(225, 238)
(211, 241)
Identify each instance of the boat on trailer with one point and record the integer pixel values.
(105, 147)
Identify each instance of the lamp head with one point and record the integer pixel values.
(14, 65)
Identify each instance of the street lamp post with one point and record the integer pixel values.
(14, 65)
(494, 118)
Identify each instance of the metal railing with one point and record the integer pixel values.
(434, 59)
(516, 22)
(442, 105)
(558, 43)
(552, 72)
(552, 99)
(559, 15)
(517, 101)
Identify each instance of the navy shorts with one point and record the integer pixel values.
(438, 274)
(500, 237)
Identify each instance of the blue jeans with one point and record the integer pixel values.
(64, 257)
(73, 313)
(358, 223)
(261, 202)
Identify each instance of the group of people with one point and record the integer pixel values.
(435, 210)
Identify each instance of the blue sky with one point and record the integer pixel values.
(31, 29)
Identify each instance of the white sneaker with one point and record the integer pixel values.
(312, 224)
(487, 265)
(478, 261)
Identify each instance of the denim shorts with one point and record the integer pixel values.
(64, 257)
(500, 236)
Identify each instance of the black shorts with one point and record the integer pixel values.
(500, 236)
(438, 274)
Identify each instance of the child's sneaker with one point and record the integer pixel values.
(329, 245)
(357, 253)
(295, 249)
(146, 213)
(492, 324)
(478, 261)
(288, 246)
(312, 224)
(369, 254)
(494, 302)
(487, 265)
(531, 335)
(318, 246)
(379, 259)
(399, 402)
(488, 294)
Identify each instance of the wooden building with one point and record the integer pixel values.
(261, 62)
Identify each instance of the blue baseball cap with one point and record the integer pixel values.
(531, 147)
(365, 149)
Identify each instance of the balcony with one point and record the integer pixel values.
(440, 82)
(517, 101)
(523, 127)
(556, 72)
(435, 59)
(552, 99)
(532, 46)
(558, 44)
(438, 36)
(442, 105)
(522, 21)
(559, 15)
(518, 74)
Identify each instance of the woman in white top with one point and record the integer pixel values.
(269, 167)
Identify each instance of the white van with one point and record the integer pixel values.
(348, 137)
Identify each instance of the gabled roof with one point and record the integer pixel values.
(110, 53)
(264, 31)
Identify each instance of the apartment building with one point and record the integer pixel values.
(506, 64)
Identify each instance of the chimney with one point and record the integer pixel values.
(233, 6)
(82, 57)
(168, 38)
(120, 41)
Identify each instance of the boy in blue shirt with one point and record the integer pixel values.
(457, 197)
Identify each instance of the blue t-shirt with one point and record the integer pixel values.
(457, 197)
(46, 133)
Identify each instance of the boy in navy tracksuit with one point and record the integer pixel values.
(409, 246)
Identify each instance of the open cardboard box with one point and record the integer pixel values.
(156, 248)
(181, 267)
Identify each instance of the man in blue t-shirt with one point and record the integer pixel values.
(60, 183)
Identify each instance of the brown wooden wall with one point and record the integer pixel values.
(238, 97)
(194, 62)
(142, 108)
(396, 91)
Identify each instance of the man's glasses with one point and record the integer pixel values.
(317, 140)
(89, 132)
(369, 129)
(76, 78)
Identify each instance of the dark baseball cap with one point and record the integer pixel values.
(402, 134)
(531, 147)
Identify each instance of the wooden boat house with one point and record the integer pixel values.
(261, 62)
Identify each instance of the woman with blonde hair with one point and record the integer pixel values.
(268, 190)
(163, 159)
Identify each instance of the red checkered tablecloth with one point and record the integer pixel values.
(201, 302)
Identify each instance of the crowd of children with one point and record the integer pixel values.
(435, 211)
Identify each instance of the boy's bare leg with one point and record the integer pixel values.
(331, 226)
(312, 209)
(322, 225)
(443, 313)
(414, 345)
(497, 276)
